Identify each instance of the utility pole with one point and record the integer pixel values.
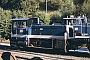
(46, 7)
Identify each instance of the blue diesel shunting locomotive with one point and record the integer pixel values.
(32, 32)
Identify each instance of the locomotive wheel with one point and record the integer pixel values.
(89, 48)
(70, 46)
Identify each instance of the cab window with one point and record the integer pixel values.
(29, 23)
(21, 24)
(14, 24)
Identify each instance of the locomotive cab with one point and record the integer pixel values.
(20, 29)
(81, 40)
(21, 25)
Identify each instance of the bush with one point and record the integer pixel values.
(42, 16)
(56, 17)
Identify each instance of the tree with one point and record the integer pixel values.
(56, 17)
(42, 16)
(78, 2)
(29, 5)
(78, 8)
(18, 14)
(51, 5)
(10, 4)
(67, 8)
(86, 9)
(5, 17)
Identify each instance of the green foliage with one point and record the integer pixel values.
(5, 22)
(56, 18)
(18, 14)
(10, 4)
(86, 9)
(43, 16)
(51, 5)
(5, 16)
(68, 7)
(29, 5)
(78, 1)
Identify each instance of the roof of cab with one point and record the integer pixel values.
(20, 19)
(72, 18)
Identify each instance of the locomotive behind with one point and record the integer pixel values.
(32, 32)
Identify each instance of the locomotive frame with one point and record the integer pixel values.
(32, 32)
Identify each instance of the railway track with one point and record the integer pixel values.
(28, 55)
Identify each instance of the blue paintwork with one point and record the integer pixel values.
(36, 29)
(79, 27)
(58, 30)
(48, 30)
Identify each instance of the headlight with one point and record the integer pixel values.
(21, 31)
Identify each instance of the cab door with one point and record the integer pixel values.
(21, 27)
(14, 27)
(70, 31)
